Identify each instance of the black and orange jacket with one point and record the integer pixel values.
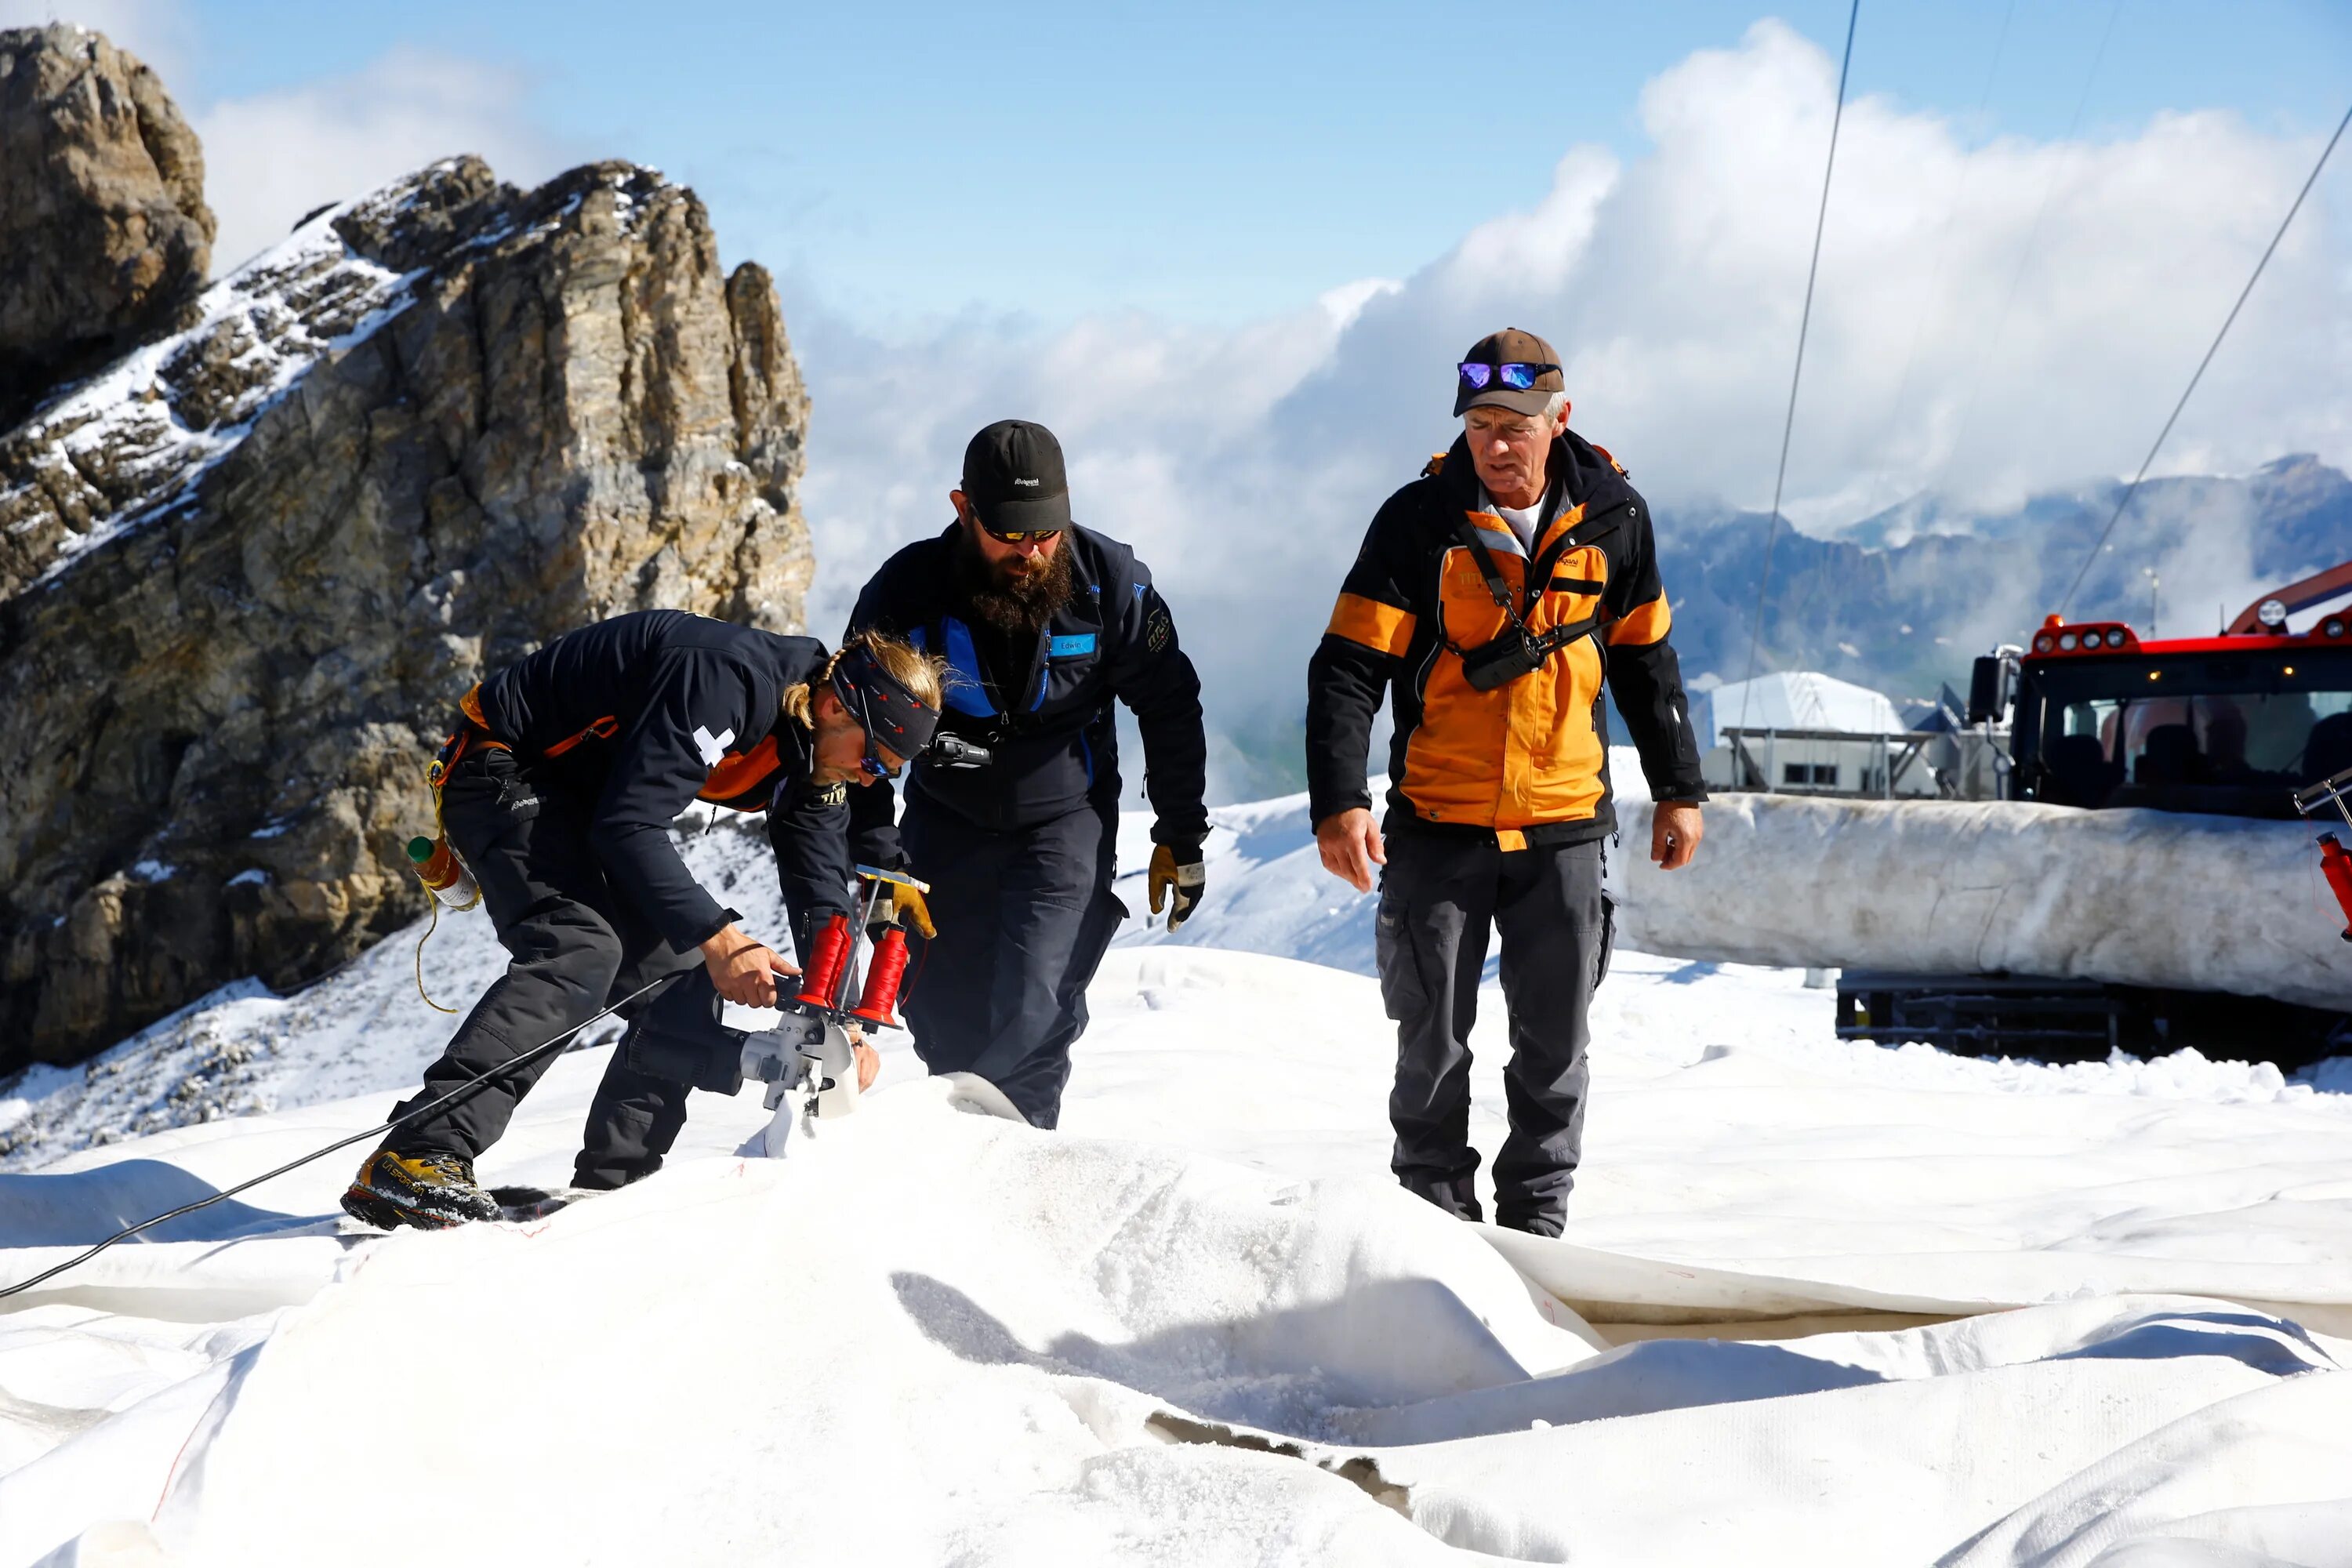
(1527, 762)
(633, 719)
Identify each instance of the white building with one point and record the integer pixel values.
(1801, 732)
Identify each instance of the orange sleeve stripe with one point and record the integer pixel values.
(1384, 628)
(1644, 626)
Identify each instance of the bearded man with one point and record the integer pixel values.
(1041, 624)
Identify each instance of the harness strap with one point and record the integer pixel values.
(1488, 570)
(1537, 577)
(603, 729)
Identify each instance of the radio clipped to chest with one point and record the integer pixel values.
(1516, 650)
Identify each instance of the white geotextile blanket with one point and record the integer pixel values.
(926, 1338)
(2144, 898)
(2141, 898)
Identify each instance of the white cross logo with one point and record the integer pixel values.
(712, 747)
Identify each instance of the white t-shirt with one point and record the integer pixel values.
(1529, 522)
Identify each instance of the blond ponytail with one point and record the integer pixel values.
(923, 674)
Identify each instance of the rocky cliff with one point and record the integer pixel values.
(248, 568)
(104, 233)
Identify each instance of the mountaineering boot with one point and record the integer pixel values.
(431, 1192)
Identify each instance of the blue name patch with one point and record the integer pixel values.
(1072, 647)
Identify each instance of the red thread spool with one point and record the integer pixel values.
(2336, 864)
(880, 1004)
(822, 979)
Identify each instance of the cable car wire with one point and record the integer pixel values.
(2130, 490)
(1795, 376)
(1826, 567)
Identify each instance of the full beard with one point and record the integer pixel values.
(1013, 602)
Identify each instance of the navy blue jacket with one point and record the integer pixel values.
(1052, 738)
(643, 714)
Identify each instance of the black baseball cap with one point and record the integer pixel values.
(1510, 346)
(1013, 473)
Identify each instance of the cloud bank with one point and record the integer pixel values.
(1992, 321)
(273, 157)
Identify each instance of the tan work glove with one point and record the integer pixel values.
(899, 905)
(1176, 880)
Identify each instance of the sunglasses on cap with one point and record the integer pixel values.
(1516, 375)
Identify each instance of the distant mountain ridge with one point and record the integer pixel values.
(1905, 599)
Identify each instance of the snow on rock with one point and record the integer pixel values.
(146, 430)
(104, 233)
(434, 428)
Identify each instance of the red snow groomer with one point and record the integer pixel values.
(2255, 721)
(2335, 863)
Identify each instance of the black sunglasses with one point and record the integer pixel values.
(1516, 375)
(1018, 535)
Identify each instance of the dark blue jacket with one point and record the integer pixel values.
(1053, 737)
(643, 714)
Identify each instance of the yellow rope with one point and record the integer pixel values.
(434, 777)
(421, 940)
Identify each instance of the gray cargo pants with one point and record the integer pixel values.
(1438, 898)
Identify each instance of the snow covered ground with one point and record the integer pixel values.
(1819, 1303)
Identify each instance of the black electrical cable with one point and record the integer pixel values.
(2130, 490)
(426, 1109)
(1804, 321)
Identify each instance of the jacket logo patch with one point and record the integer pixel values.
(1158, 631)
(1077, 645)
(711, 747)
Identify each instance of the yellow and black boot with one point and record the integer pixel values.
(431, 1192)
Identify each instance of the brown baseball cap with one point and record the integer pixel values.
(1518, 349)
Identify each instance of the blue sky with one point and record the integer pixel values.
(1137, 227)
(1211, 161)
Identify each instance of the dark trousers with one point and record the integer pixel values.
(575, 945)
(1438, 898)
(1024, 919)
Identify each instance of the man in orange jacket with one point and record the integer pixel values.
(1493, 599)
